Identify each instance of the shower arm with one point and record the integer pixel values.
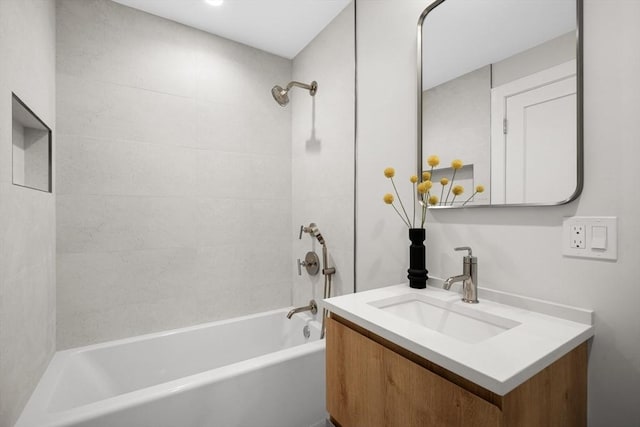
(312, 88)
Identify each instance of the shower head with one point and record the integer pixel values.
(315, 232)
(281, 94)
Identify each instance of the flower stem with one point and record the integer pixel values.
(471, 197)
(441, 193)
(400, 201)
(400, 215)
(414, 205)
(450, 187)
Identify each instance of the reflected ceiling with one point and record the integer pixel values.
(472, 43)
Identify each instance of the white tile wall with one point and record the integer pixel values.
(173, 172)
(27, 216)
(102, 223)
(88, 165)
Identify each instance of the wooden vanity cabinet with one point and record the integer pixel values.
(372, 382)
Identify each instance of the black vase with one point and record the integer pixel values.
(417, 259)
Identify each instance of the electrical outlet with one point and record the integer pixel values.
(577, 237)
(590, 237)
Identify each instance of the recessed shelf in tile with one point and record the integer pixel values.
(31, 148)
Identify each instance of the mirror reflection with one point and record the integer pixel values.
(500, 92)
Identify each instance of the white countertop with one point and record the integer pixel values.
(544, 332)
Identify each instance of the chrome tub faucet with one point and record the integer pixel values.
(312, 307)
(469, 277)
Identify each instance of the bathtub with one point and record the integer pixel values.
(253, 371)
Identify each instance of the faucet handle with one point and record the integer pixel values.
(311, 263)
(464, 248)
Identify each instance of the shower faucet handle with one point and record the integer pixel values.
(311, 263)
(304, 229)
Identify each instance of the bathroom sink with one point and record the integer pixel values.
(498, 343)
(449, 317)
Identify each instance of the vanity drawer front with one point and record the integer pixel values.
(369, 385)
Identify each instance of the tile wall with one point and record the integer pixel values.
(174, 176)
(27, 216)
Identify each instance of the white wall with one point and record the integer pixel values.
(519, 249)
(174, 178)
(386, 117)
(538, 58)
(27, 216)
(323, 155)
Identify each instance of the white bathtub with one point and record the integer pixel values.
(251, 371)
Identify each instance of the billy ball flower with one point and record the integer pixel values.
(456, 190)
(388, 198)
(433, 161)
(455, 165)
(413, 179)
(389, 172)
(433, 200)
(426, 176)
(479, 189)
(443, 182)
(424, 187)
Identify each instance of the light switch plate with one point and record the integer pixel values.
(590, 237)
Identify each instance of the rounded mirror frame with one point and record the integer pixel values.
(579, 112)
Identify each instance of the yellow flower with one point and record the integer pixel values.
(433, 161)
(413, 179)
(433, 200)
(480, 188)
(426, 176)
(389, 172)
(456, 164)
(444, 181)
(424, 187)
(388, 198)
(457, 190)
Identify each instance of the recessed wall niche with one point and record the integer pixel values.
(31, 148)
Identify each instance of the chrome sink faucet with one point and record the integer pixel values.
(469, 277)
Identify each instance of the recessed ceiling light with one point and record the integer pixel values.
(214, 2)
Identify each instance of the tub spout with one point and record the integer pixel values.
(312, 307)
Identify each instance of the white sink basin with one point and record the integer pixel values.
(451, 318)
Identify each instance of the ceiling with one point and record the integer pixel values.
(281, 27)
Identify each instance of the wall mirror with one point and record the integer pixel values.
(500, 88)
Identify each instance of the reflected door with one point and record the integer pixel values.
(538, 135)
